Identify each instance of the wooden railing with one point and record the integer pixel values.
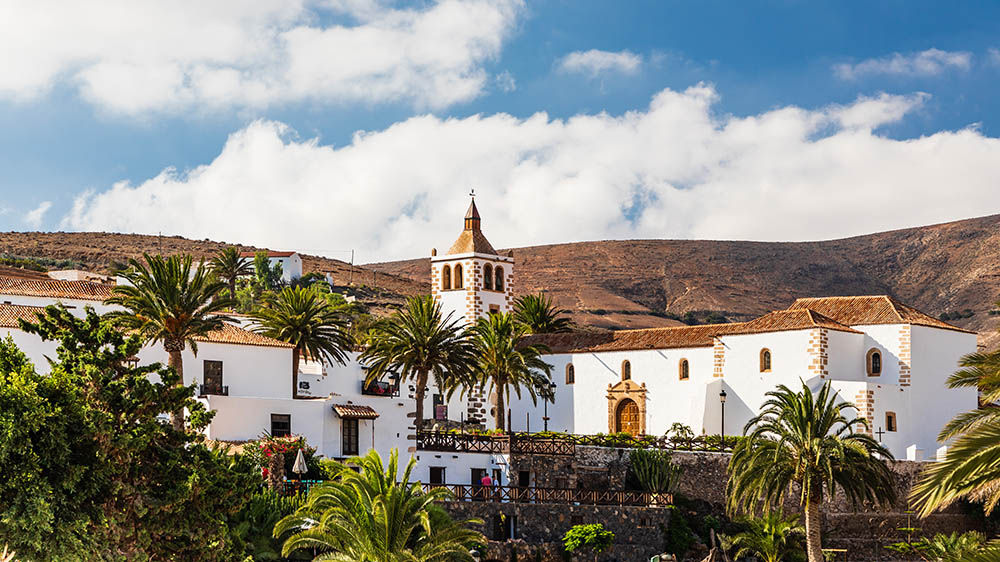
(560, 445)
(515, 494)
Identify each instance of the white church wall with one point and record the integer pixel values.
(885, 338)
(846, 356)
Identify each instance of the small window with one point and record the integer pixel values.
(874, 362)
(890, 421)
(570, 374)
(212, 377)
(494, 309)
(281, 425)
(437, 475)
(498, 278)
(446, 278)
(685, 370)
(626, 370)
(765, 360)
(349, 433)
(488, 277)
(458, 276)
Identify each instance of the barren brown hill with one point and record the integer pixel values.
(101, 252)
(945, 268)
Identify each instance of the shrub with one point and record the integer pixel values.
(593, 537)
(677, 535)
(654, 471)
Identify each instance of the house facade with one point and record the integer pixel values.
(291, 263)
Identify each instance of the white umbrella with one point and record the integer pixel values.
(300, 467)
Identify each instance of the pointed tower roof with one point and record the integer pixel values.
(472, 239)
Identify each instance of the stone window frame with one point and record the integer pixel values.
(488, 277)
(870, 362)
(626, 370)
(891, 422)
(459, 274)
(570, 374)
(498, 281)
(766, 360)
(683, 369)
(626, 390)
(446, 278)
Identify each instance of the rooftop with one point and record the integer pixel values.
(472, 240)
(871, 309)
(54, 288)
(270, 254)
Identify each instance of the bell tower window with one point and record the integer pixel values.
(498, 278)
(488, 277)
(446, 278)
(458, 276)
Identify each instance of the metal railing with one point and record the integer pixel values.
(560, 444)
(517, 494)
(206, 390)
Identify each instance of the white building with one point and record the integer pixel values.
(291, 263)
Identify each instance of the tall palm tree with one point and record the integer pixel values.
(540, 314)
(805, 440)
(507, 363)
(770, 538)
(418, 342)
(229, 266)
(971, 468)
(165, 301)
(302, 317)
(376, 516)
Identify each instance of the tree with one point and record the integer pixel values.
(301, 317)
(229, 265)
(805, 440)
(91, 472)
(267, 277)
(593, 537)
(418, 342)
(540, 315)
(506, 362)
(166, 302)
(376, 515)
(770, 538)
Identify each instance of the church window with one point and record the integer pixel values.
(685, 370)
(446, 278)
(458, 276)
(498, 278)
(626, 370)
(488, 277)
(890, 421)
(874, 362)
(765, 360)
(570, 374)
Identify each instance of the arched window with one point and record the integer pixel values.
(890, 421)
(685, 370)
(488, 277)
(873, 363)
(570, 374)
(498, 278)
(458, 276)
(446, 278)
(765, 360)
(626, 370)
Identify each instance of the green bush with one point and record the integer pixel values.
(677, 535)
(653, 470)
(593, 537)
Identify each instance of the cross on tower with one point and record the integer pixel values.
(473, 193)
(880, 433)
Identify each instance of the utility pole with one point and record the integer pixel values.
(351, 278)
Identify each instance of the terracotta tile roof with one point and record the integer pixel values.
(236, 335)
(353, 411)
(796, 319)
(53, 288)
(11, 313)
(270, 254)
(868, 310)
(629, 340)
(472, 241)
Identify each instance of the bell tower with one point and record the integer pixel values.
(472, 279)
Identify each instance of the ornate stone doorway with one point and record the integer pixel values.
(627, 407)
(627, 417)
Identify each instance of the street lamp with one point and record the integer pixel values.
(545, 400)
(722, 428)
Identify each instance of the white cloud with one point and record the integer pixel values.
(786, 174)
(505, 81)
(137, 57)
(931, 62)
(33, 218)
(994, 55)
(594, 62)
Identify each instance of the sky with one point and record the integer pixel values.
(326, 126)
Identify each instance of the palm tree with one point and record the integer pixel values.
(540, 315)
(229, 266)
(805, 440)
(770, 538)
(507, 363)
(946, 548)
(971, 468)
(302, 317)
(165, 301)
(375, 516)
(418, 342)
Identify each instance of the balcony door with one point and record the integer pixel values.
(213, 377)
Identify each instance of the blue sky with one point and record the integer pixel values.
(77, 118)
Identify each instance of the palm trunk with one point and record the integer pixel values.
(176, 362)
(421, 391)
(500, 416)
(813, 539)
(295, 373)
(232, 288)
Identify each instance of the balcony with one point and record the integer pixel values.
(380, 388)
(213, 390)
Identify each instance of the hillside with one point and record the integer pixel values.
(942, 268)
